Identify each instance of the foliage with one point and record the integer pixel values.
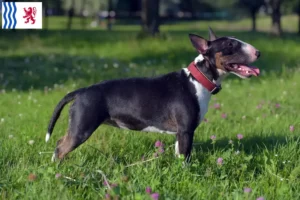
(253, 6)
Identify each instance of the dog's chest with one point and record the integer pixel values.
(202, 95)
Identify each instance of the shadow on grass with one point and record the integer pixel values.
(252, 145)
(42, 70)
(257, 146)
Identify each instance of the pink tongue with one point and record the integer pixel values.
(255, 71)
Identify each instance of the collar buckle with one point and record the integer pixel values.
(216, 90)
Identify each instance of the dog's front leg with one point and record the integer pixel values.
(183, 145)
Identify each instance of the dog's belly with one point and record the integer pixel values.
(138, 126)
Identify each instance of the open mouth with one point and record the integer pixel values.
(242, 70)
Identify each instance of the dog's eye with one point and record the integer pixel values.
(230, 44)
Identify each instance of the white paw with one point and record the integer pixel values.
(177, 149)
(53, 157)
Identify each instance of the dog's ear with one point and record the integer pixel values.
(212, 35)
(200, 44)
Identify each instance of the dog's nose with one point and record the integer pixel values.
(257, 53)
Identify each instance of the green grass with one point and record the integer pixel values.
(289, 24)
(39, 67)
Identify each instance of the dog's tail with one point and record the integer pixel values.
(69, 97)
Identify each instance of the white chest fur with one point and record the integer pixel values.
(202, 94)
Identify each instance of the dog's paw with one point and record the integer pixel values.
(177, 154)
(54, 157)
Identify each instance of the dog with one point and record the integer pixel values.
(174, 103)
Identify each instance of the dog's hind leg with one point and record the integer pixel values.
(83, 122)
(63, 146)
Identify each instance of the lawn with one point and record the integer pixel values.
(39, 67)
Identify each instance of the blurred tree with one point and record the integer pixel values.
(82, 9)
(276, 16)
(189, 5)
(298, 11)
(59, 8)
(292, 7)
(135, 6)
(109, 18)
(222, 9)
(71, 14)
(221, 4)
(150, 17)
(82, 13)
(253, 7)
(45, 20)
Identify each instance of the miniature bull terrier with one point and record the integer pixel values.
(173, 103)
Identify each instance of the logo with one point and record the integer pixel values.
(22, 15)
(30, 14)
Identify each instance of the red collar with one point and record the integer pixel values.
(201, 78)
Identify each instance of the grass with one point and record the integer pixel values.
(39, 67)
(290, 24)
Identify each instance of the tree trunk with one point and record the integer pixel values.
(134, 7)
(109, 18)
(253, 17)
(45, 20)
(298, 11)
(276, 17)
(71, 14)
(150, 17)
(59, 9)
(191, 8)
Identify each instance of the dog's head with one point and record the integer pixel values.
(227, 55)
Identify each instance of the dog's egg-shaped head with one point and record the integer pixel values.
(227, 54)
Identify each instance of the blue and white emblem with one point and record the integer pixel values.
(22, 15)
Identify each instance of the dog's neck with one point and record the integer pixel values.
(215, 76)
